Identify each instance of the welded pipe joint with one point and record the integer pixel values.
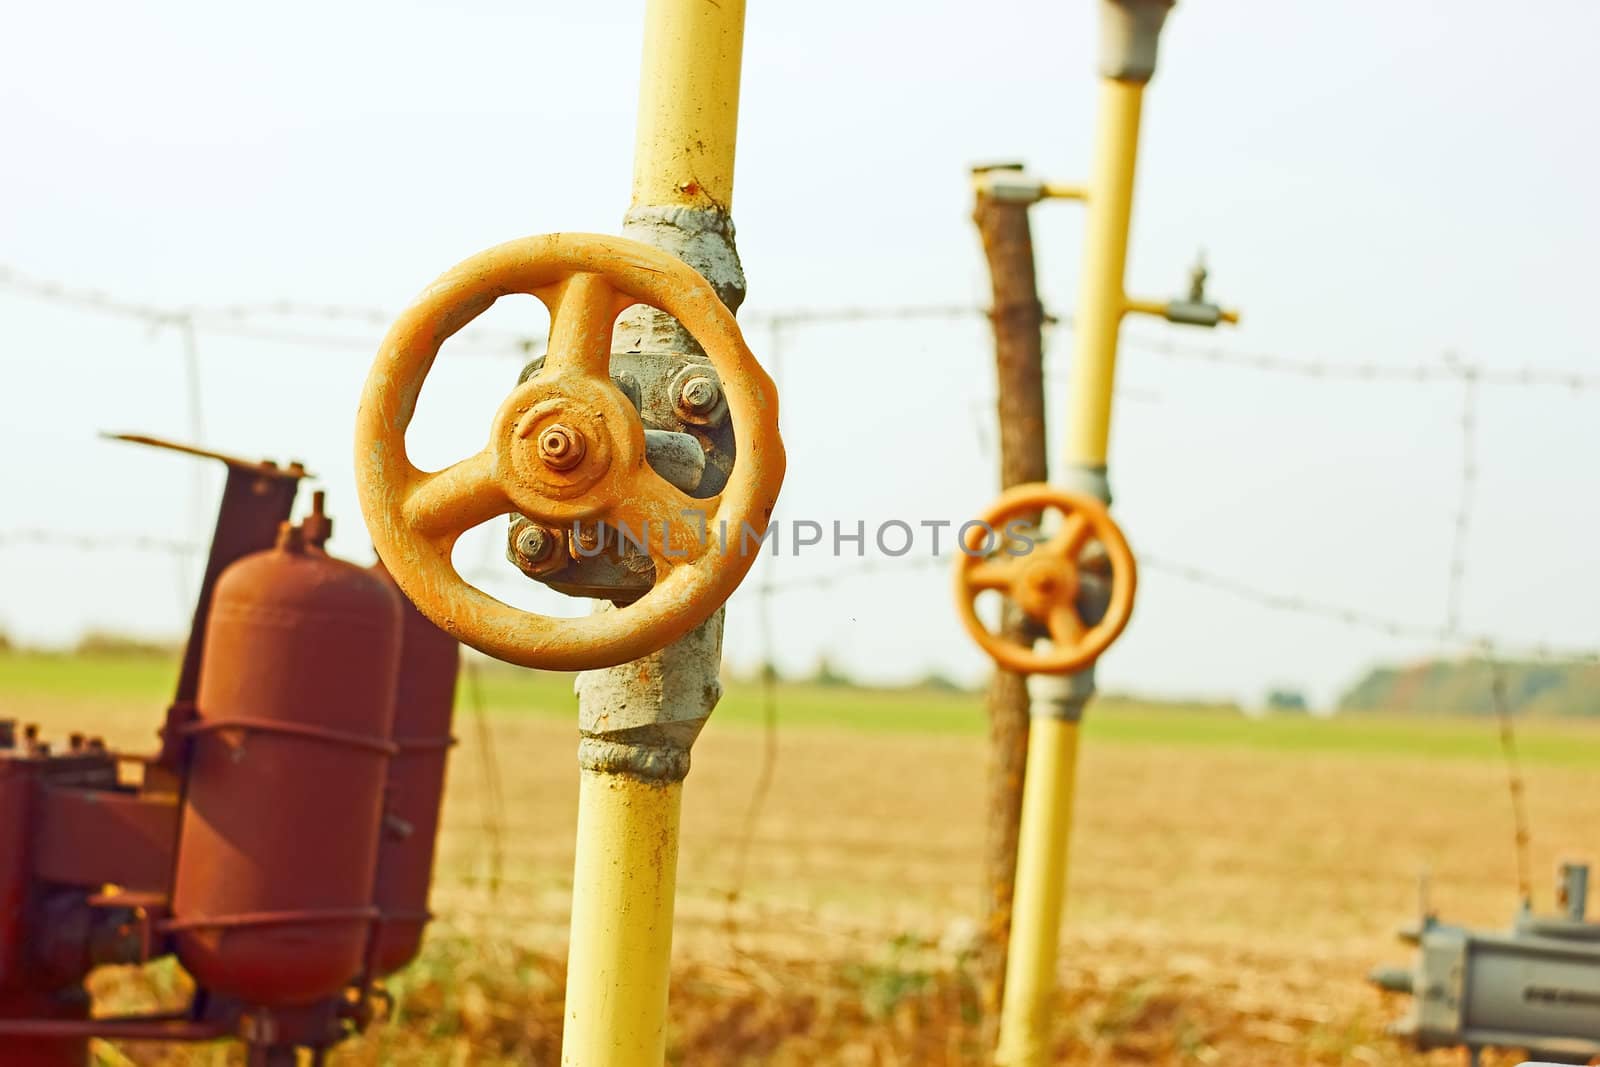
(1088, 479)
(641, 718)
(702, 238)
(1060, 696)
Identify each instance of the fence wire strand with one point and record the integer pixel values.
(1521, 836)
(494, 801)
(244, 321)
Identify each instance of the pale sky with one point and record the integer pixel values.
(1372, 181)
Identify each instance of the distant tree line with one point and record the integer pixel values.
(104, 643)
(1467, 687)
(830, 675)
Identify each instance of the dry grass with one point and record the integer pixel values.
(1226, 901)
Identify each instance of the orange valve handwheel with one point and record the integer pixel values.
(566, 446)
(1043, 578)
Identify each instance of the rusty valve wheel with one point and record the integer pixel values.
(565, 446)
(1045, 581)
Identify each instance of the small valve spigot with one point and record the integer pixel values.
(1011, 183)
(1197, 279)
(1195, 309)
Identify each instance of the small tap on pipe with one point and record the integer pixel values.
(1193, 310)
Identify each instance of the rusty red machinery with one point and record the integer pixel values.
(281, 841)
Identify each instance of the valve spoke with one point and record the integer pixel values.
(990, 574)
(444, 505)
(580, 326)
(1064, 625)
(1069, 540)
(681, 528)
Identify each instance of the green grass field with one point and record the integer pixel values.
(147, 680)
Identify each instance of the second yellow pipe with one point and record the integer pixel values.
(1101, 298)
(1044, 838)
(1043, 848)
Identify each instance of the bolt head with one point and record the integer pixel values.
(561, 447)
(700, 395)
(535, 543)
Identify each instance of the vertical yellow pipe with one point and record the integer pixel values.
(622, 900)
(1047, 797)
(625, 872)
(689, 103)
(1036, 907)
(1101, 299)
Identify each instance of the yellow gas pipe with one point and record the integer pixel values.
(1101, 300)
(688, 104)
(1041, 892)
(1048, 786)
(625, 872)
(623, 886)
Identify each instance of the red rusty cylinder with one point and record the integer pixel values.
(430, 661)
(278, 844)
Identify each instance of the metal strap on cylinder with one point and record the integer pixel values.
(295, 917)
(406, 915)
(379, 745)
(425, 744)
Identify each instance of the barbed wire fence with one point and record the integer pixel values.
(266, 322)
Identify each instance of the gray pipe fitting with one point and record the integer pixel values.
(1129, 33)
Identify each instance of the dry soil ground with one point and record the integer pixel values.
(1232, 882)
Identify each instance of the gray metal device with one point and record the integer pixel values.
(1535, 987)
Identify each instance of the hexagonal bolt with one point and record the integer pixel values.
(588, 538)
(536, 549)
(700, 394)
(698, 398)
(535, 543)
(561, 447)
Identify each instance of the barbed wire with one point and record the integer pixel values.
(782, 317)
(767, 772)
(237, 320)
(1451, 370)
(1359, 619)
(493, 793)
(99, 543)
(869, 567)
(1455, 584)
(241, 320)
(880, 566)
(233, 319)
(1521, 837)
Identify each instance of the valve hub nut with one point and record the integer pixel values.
(561, 447)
